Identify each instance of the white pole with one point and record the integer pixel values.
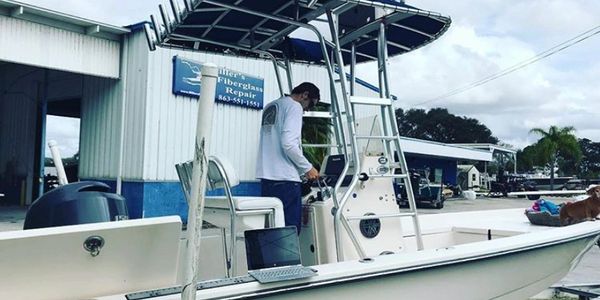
(196, 203)
(60, 169)
(124, 63)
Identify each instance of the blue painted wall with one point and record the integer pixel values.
(155, 199)
(449, 166)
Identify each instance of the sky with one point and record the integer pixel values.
(485, 38)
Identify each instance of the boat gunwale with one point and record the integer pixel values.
(314, 282)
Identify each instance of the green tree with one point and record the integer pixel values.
(316, 131)
(589, 166)
(528, 158)
(439, 125)
(555, 144)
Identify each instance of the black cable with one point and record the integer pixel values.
(551, 51)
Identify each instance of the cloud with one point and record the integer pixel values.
(65, 131)
(489, 36)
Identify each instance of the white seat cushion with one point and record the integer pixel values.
(249, 203)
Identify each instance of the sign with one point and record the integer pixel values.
(233, 87)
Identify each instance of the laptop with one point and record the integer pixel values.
(273, 255)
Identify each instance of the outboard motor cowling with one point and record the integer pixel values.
(76, 203)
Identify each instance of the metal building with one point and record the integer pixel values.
(134, 128)
(45, 60)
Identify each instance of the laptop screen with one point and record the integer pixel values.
(272, 247)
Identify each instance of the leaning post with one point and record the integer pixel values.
(199, 173)
(60, 169)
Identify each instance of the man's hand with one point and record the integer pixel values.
(313, 174)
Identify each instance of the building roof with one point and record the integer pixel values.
(430, 148)
(466, 168)
(488, 147)
(60, 20)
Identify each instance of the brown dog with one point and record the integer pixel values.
(584, 210)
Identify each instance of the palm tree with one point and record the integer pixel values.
(554, 143)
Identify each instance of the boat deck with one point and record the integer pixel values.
(511, 220)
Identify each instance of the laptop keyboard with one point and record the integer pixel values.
(281, 274)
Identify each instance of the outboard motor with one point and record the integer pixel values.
(76, 203)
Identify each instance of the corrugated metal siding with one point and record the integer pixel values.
(365, 110)
(363, 114)
(44, 46)
(160, 127)
(100, 121)
(135, 107)
(171, 119)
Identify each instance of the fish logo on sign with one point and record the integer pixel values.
(195, 69)
(187, 77)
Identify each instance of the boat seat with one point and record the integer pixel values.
(235, 213)
(222, 175)
(270, 206)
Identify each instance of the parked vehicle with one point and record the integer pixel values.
(575, 184)
(511, 183)
(543, 183)
(579, 184)
(426, 193)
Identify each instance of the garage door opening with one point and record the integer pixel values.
(65, 132)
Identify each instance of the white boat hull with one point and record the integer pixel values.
(498, 277)
(510, 266)
(519, 261)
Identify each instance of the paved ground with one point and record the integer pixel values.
(481, 203)
(11, 218)
(586, 273)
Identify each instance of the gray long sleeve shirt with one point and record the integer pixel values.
(279, 153)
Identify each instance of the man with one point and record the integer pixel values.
(280, 160)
